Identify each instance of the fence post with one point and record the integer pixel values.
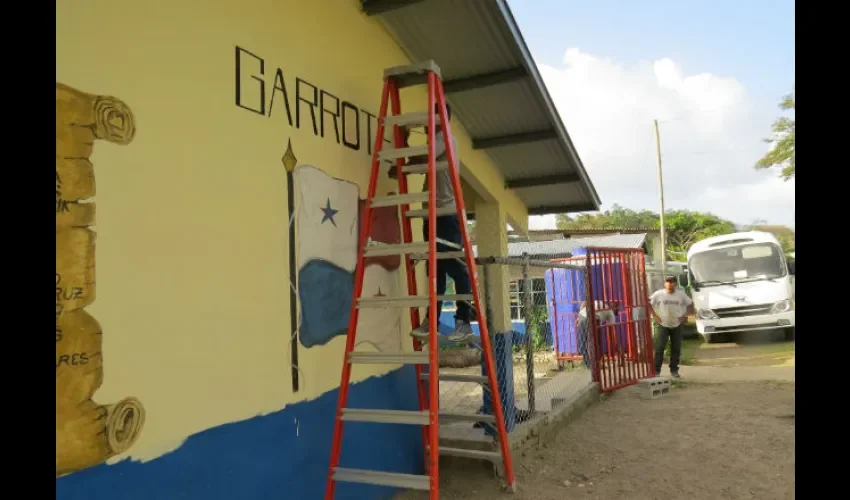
(527, 285)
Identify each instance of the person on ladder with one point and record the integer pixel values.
(448, 229)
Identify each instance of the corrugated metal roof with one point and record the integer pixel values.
(563, 248)
(467, 39)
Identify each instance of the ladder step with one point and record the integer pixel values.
(450, 210)
(388, 358)
(410, 120)
(413, 74)
(409, 301)
(468, 417)
(385, 416)
(457, 377)
(440, 255)
(395, 249)
(399, 199)
(392, 154)
(422, 168)
(490, 456)
(394, 479)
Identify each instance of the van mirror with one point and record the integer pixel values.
(792, 268)
(683, 279)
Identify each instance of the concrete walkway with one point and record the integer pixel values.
(720, 374)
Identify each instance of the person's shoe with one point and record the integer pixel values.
(675, 374)
(462, 333)
(421, 333)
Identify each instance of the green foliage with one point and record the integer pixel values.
(616, 217)
(782, 155)
(684, 227)
(538, 320)
(784, 234)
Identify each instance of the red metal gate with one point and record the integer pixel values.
(620, 340)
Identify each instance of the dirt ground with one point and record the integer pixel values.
(712, 437)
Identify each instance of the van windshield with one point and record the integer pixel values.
(759, 261)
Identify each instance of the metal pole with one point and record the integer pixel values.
(661, 198)
(529, 344)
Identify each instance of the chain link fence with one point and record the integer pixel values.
(537, 343)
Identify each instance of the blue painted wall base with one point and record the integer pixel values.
(504, 361)
(280, 455)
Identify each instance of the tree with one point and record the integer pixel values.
(784, 234)
(616, 217)
(683, 227)
(782, 155)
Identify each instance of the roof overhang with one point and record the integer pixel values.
(497, 93)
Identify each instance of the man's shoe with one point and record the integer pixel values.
(421, 333)
(675, 374)
(462, 333)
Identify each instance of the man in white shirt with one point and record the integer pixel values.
(669, 308)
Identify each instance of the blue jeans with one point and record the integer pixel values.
(448, 229)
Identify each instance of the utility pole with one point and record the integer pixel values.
(661, 197)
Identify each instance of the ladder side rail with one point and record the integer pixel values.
(454, 174)
(358, 289)
(433, 313)
(409, 264)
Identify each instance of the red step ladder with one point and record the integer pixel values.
(428, 416)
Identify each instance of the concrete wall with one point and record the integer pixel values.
(175, 379)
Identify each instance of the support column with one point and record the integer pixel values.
(491, 239)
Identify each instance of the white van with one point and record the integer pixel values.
(741, 282)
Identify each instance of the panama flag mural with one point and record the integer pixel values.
(329, 220)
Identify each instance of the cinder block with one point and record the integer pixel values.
(654, 388)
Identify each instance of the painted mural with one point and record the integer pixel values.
(87, 433)
(329, 220)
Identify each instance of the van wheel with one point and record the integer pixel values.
(789, 333)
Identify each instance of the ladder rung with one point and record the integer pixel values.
(392, 154)
(450, 210)
(399, 199)
(385, 416)
(440, 255)
(491, 456)
(412, 74)
(410, 120)
(422, 168)
(458, 377)
(395, 249)
(394, 479)
(449, 244)
(409, 301)
(388, 358)
(468, 417)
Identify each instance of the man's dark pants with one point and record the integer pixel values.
(448, 229)
(661, 336)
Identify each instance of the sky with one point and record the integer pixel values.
(711, 72)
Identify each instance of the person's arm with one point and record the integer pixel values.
(393, 172)
(651, 309)
(578, 315)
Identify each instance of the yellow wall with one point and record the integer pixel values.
(192, 243)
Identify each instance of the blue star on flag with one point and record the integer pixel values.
(329, 213)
